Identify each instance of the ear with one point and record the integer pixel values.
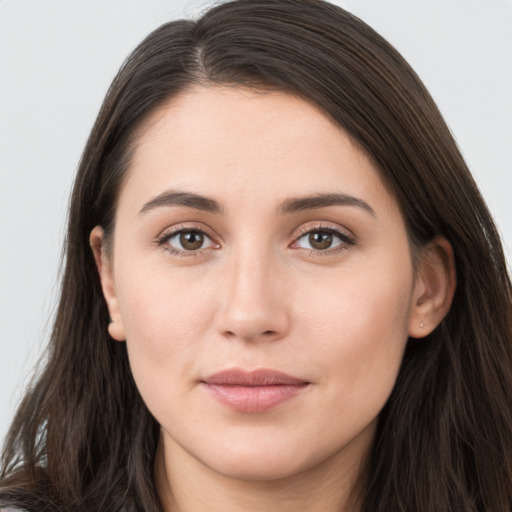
(434, 287)
(104, 265)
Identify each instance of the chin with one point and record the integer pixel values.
(260, 463)
(240, 468)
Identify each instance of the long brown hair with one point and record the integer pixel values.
(83, 439)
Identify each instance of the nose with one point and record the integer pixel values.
(253, 304)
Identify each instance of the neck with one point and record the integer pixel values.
(185, 484)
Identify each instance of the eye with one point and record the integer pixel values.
(186, 240)
(323, 239)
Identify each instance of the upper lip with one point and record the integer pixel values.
(259, 377)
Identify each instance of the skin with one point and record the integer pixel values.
(259, 294)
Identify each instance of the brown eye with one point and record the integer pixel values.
(320, 240)
(187, 241)
(191, 240)
(323, 239)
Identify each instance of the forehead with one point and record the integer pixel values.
(241, 144)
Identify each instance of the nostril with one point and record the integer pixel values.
(264, 334)
(251, 322)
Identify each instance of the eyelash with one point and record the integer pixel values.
(167, 235)
(346, 240)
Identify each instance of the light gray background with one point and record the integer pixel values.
(58, 57)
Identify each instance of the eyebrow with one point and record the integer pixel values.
(173, 198)
(317, 201)
(292, 205)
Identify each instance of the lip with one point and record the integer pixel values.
(254, 391)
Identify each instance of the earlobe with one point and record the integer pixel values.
(434, 287)
(115, 326)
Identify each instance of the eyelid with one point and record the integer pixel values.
(170, 232)
(346, 237)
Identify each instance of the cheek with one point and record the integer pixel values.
(359, 330)
(164, 321)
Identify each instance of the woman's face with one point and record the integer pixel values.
(262, 278)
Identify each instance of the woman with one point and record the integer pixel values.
(283, 290)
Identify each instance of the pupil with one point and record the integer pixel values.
(191, 240)
(320, 240)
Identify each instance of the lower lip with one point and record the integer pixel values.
(253, 399)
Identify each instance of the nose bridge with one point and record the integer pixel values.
(252, 303)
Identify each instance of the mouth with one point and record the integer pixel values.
(253, 391)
